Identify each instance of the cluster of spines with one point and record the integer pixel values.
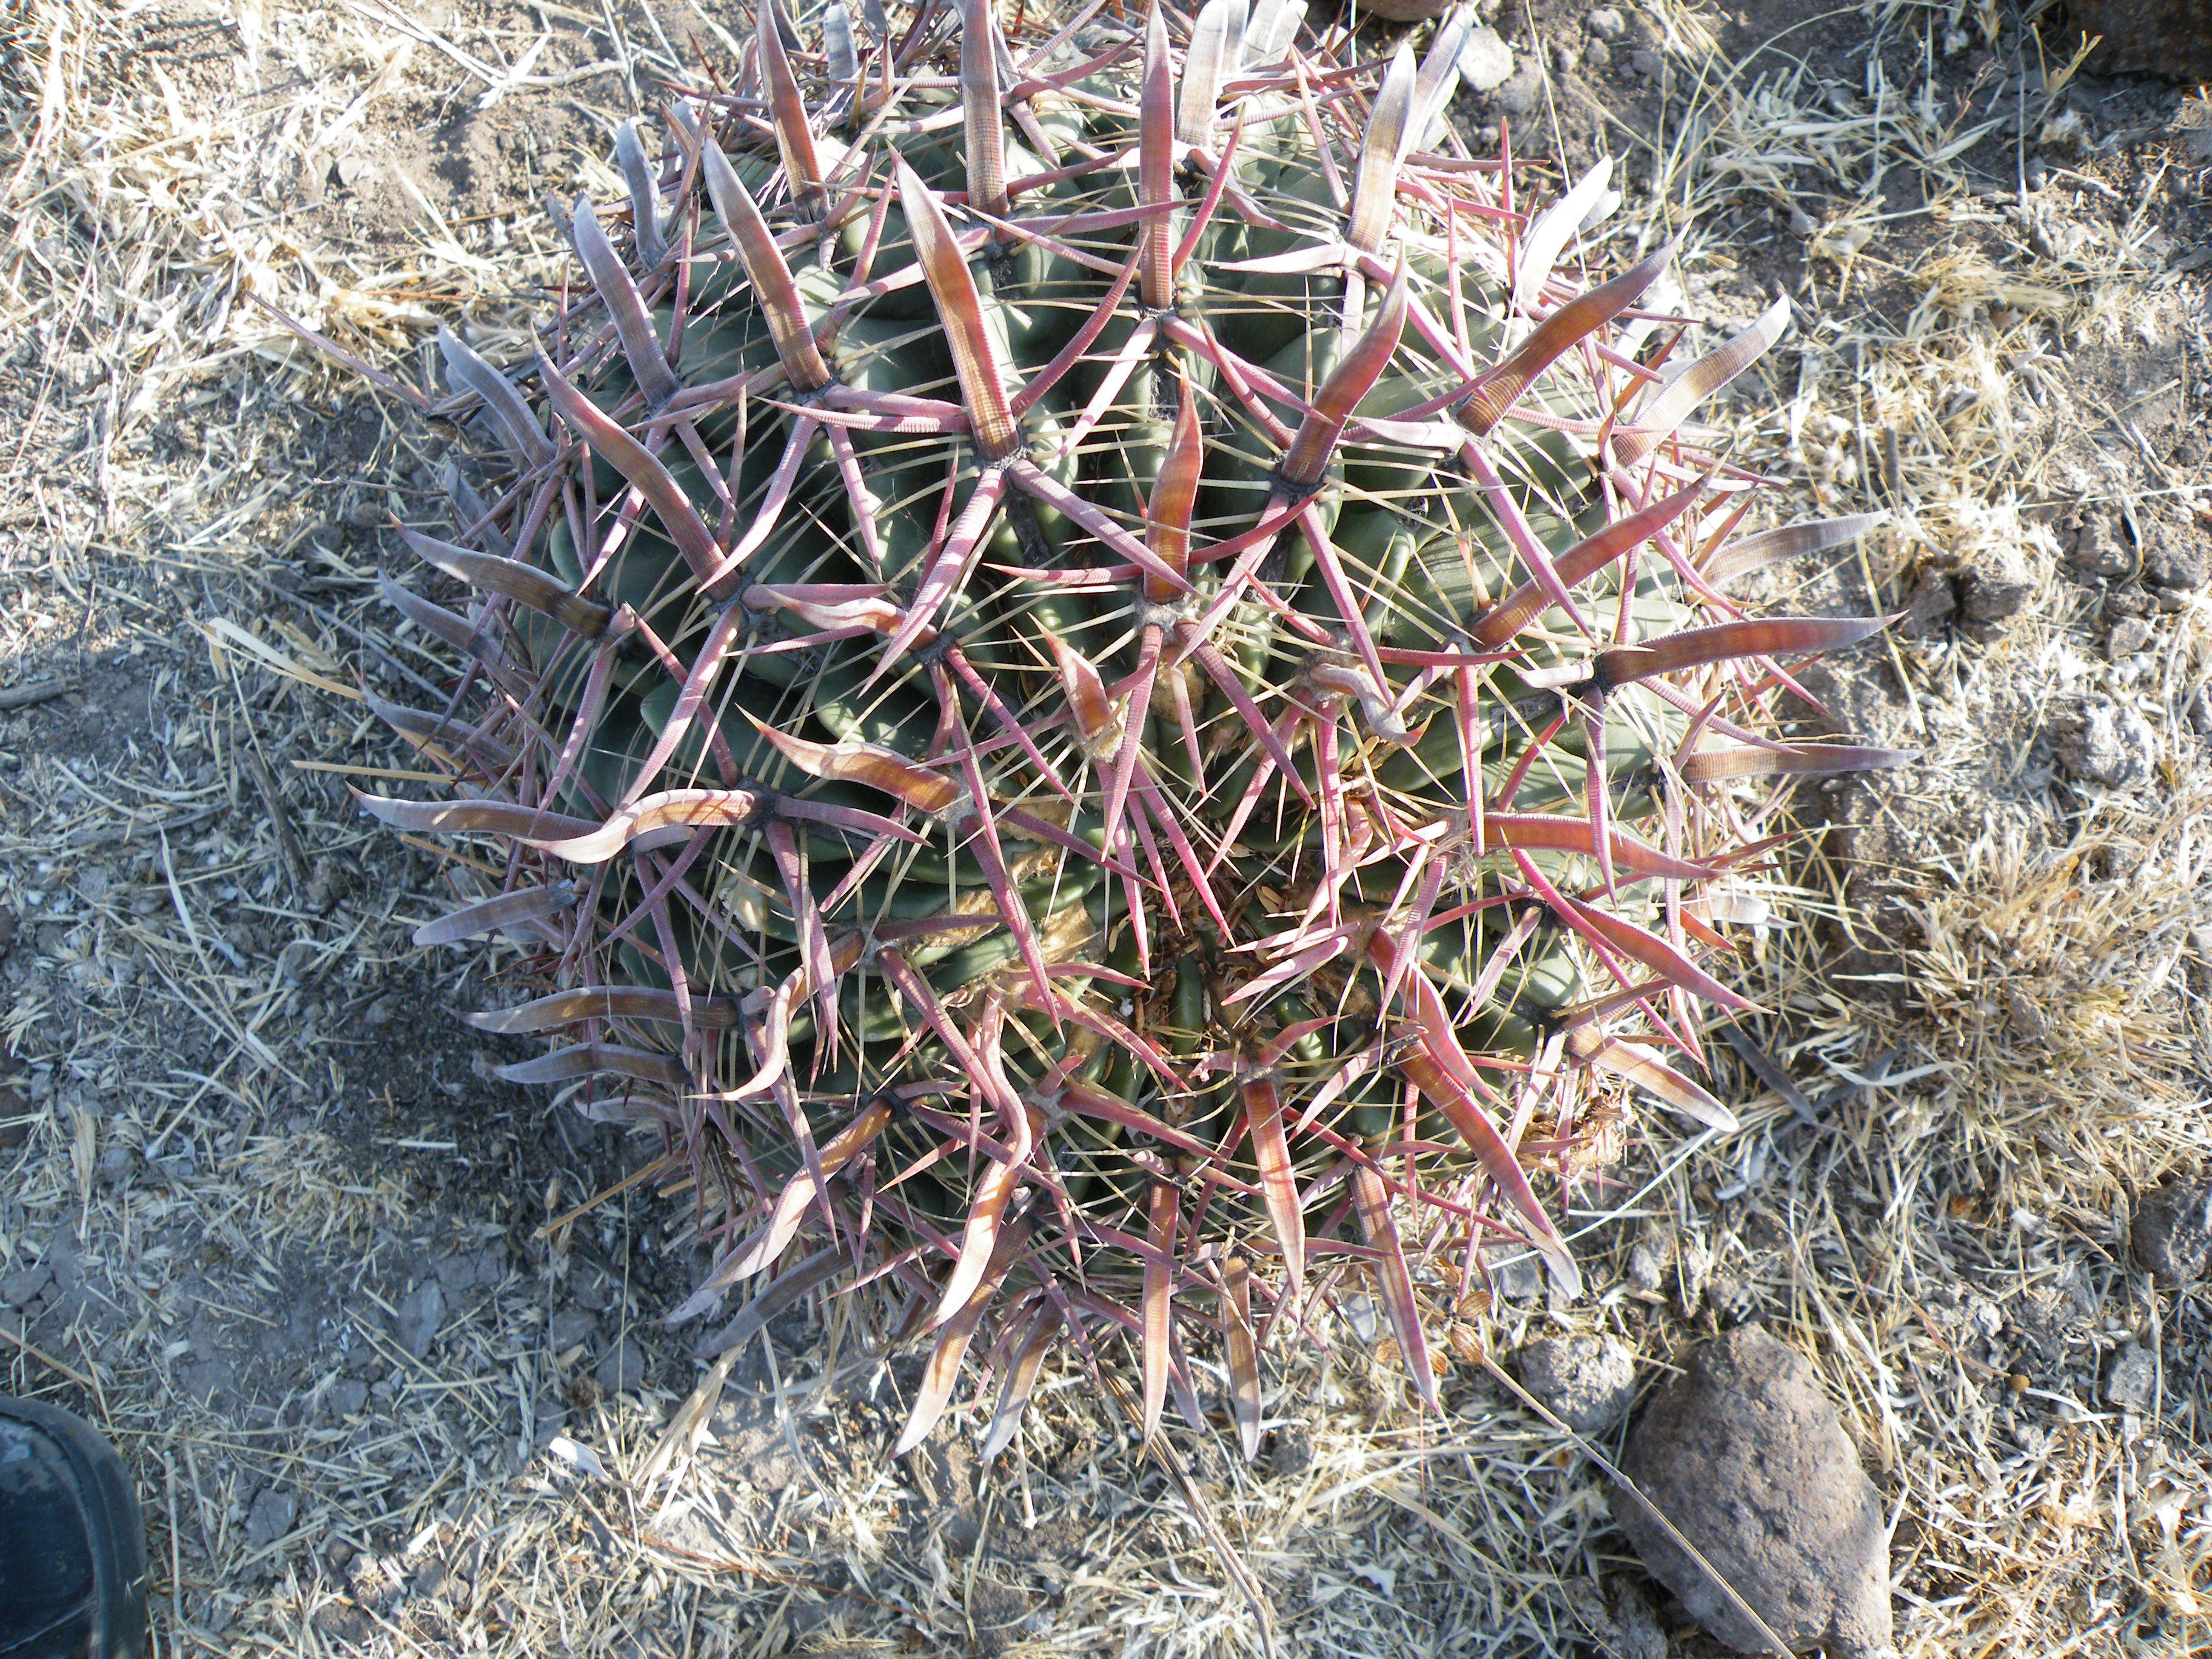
(1171, 850)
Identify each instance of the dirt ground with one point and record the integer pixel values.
(268, 1218)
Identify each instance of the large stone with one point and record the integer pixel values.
(2173, 1231)
(1743, 1453)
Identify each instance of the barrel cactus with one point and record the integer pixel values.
(1101, 688)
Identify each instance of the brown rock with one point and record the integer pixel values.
(1934, 601)
(1990, 594)
(1744, 1454)
(2173, 1231)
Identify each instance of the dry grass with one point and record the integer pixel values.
(237, 1127)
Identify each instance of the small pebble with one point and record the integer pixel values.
(1606, 23)
(2105, 742)
(1647, 1265)
(1485, 61)
(270, 1517)
(2129, 635)
(1522, 97)
(420, 1313)
(623, 1369)
(2172, 1230)
(1587, 1382)
(346, 1396)
(2132, 1382)
(569, 1327)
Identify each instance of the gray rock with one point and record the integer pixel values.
(272, 1517)
(2132, 1382)
(1520, 1280)
(1988, 594)
(420, 1313)
(1485, 61)
(1606, 23)
(1597, 57)
(2129, 635)
(1646, 63)
(346, 1396)
(20, 1288)
(1522, 97)
(1636, 1628)
(2101, 548)
(433, 1578)
(1693, 1263)
(1587, 1382)
(569, 1327)
(1625, 1629)
(479, 1269)
(1647, 1264)
(623, 1369)
(2105, 742)
(61, 1261)
(592, 1285)
(2174, 559)
(2173, 1231)
(1745, 1455)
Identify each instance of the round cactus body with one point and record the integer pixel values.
(1106, 688)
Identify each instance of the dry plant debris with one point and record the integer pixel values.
(228, 1109)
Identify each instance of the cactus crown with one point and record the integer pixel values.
(1106, 692)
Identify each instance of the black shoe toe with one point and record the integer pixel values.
(72, 1547)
